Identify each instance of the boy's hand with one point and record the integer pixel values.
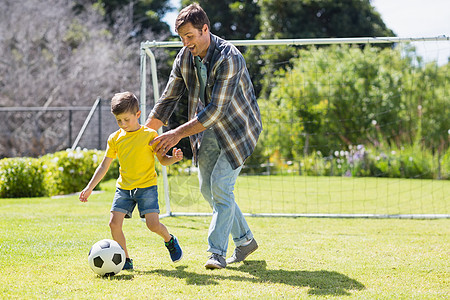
(84, 195)
(177, 154)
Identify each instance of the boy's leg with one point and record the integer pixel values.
(152, 221)
(170, 241)
(115, 224)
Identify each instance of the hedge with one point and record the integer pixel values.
(69, 171)
(59, 173)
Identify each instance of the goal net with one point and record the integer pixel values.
(354, 127)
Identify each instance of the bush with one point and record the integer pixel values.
(183, 167)
(59, 173)
(69, 171)
(359, 161)
(21, 177)
(444, 166)
(407, 162)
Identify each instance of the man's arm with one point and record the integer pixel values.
(171, 138)
(154, 123)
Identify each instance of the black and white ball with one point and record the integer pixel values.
(106, 257)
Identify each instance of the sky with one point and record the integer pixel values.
(407, 18)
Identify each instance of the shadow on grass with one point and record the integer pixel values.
(320, 282)
(118, 277)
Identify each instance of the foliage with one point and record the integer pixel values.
(69, 171)
(21, 177)
(320, 18)
(248, 19)
(259, 161)
(183, 167)
(339, 96)
(62, 172)
(308, 19)
(359, 161)
(231, 19)
(426, 99)
(145, 14)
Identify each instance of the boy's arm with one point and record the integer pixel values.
(166, 160)
(96, 178)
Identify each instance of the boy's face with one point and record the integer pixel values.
(128, 121)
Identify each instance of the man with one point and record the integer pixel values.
(224, 126)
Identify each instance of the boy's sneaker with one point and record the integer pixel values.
(128, 264)
(216, 261)
(174, 249)
(241, 252)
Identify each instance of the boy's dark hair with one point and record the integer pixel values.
(123, 103)
(193, 14)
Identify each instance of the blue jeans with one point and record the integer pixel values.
(217, 179)
(145, 198)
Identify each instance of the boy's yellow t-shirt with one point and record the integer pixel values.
(136, 157)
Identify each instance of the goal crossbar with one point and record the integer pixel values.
(299, 42)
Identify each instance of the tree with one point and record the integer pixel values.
(284, 19)
(232, 20)
(145, 14)
(57, 56)
(320, 19)
(339, 96)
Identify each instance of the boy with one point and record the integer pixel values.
(137, 181)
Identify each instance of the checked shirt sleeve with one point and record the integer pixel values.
(175, 88)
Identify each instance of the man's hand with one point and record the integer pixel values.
(165, 141)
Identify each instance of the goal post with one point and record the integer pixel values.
(298, 193)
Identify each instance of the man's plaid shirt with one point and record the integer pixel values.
(231, 110)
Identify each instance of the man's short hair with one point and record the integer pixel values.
(193, 14)
(123, 103)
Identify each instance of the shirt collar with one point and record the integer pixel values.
(212, 45)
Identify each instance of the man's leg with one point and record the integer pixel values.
(227, 216)
(217, 180)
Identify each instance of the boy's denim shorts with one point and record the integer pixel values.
(146, 199)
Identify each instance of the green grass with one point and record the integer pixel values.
(44, 245)
(322, 195)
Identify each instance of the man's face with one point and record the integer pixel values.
(197, 41)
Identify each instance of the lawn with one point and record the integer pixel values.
(44, 244)
(321, 195)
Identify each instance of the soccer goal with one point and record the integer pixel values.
(352, 128)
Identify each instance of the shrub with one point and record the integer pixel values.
(69, 171)
(21, 177)
(359, 161)
(58, 173)
(444, 166)
(183, 167)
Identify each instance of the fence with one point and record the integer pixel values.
(35, 131)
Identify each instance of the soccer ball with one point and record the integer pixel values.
(106, 258)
